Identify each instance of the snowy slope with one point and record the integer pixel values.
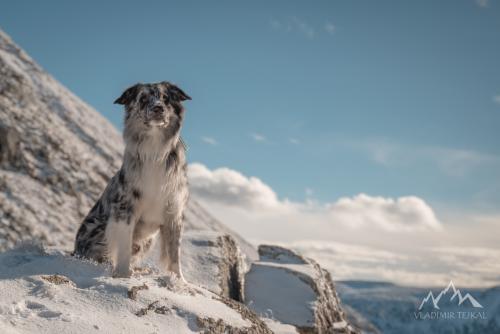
(49, 292)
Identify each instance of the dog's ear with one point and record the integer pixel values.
(176, 93)
(128, 95)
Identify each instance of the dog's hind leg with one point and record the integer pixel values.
(140, 249)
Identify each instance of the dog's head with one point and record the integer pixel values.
(154, 105)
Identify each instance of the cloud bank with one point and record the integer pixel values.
(471, 267)
(230, 188)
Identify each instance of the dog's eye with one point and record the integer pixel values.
(166, 98)
(143, 99)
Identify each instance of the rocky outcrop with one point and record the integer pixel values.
(294, 290)
(214, 261)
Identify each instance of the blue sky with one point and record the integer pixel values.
(387, 98)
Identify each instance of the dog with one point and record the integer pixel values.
(148, 194)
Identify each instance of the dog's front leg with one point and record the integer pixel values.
(119, 233)
(170, 236)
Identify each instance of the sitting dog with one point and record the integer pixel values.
(149, 193)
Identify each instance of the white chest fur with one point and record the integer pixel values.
(160, 178)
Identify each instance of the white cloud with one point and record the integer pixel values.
(280, 25)
(228, 187)
(451, 161)
(304, 28)
(294, 141)
(330, 28)
(403, 213)
(258, 137)
(458, 162)
(482, 3)
(209, 140)
(299, 26)
(496, 99)
(381, 151)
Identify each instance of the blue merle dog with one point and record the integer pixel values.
(149, 193)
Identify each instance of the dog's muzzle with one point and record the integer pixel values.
(158, 110)
(156, 113)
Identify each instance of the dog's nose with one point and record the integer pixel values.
(157, 110)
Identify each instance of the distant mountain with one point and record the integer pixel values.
(376, 307)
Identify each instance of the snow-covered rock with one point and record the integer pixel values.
(50, 292)
(213, 261)
(291, 289)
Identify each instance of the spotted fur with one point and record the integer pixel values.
(149, 193)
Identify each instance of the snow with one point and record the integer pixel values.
(92, 301)
(279, 328)
(278, 293)
(200, 258)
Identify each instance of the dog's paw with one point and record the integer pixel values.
(178, 284)
(180, 278)
(123, 273)
(142, 271)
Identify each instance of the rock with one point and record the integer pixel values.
(9, 146)
(359, 321)
(291, 289)
(231, 268)
(57, 279)
(132, 292)
(213, 261)
(210, 325)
